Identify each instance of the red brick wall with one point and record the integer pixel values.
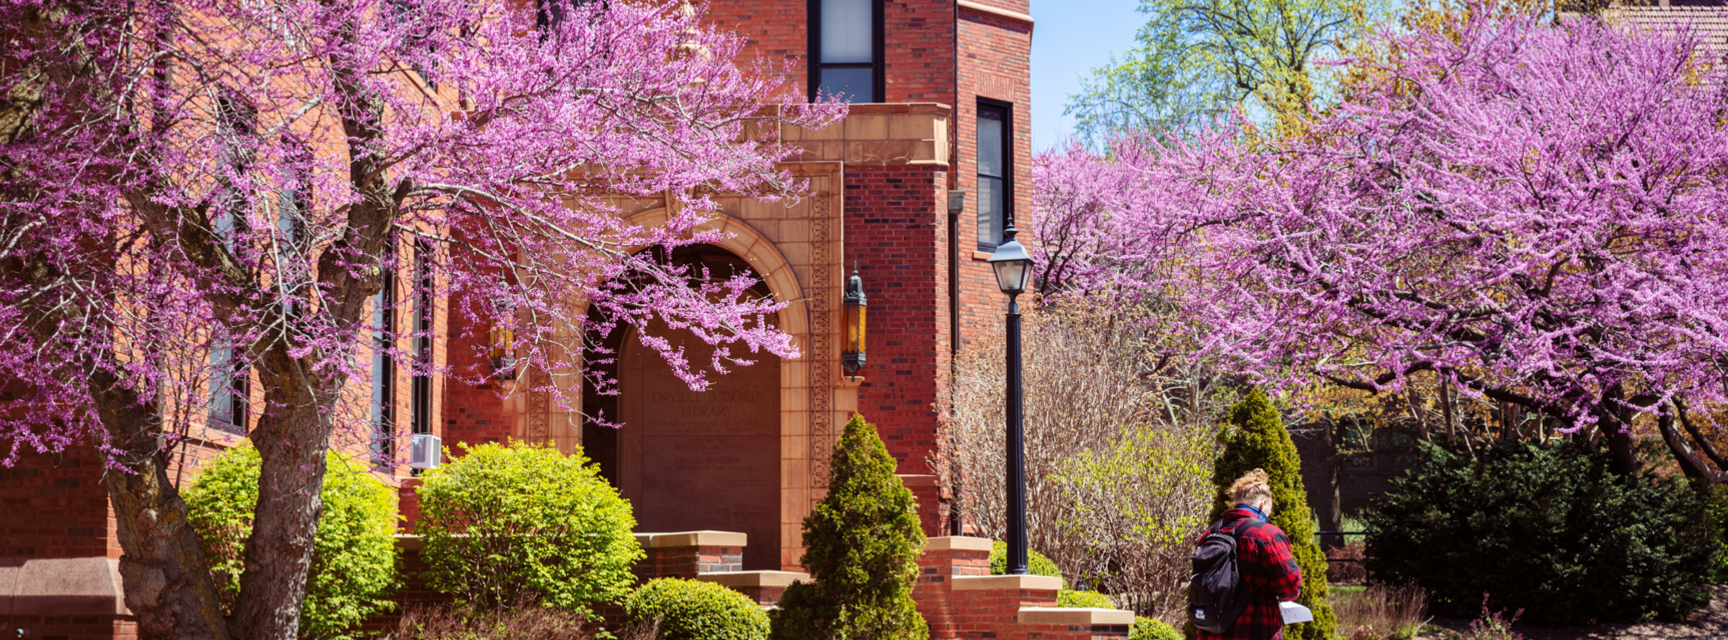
(893, 214)
(995, 55)
(918, 48)
(56, 506)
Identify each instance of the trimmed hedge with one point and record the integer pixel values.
(1070, 599)
(511, 523)
(1151, 629)
(695, 610)
(354, 559)
(861, 545)
(1253, 439)
(1550, 530)
(1037, 564)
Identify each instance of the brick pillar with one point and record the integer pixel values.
(687, 553)
(960, 600)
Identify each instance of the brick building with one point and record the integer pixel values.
(941, 104)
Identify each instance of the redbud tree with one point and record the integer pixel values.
(1534, 212)
(186, 178)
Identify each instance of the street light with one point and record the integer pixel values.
(852, 352)
(1013, 268)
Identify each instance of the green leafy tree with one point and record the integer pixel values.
(861, 546)
(353, 553)
(508, 523)
(1196, 59)
(1255, 438)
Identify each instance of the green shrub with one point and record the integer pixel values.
(1718, 518)
(353, 552)
(695, 610)
(1550, 530)
(1152, 629)
(1071, 599)
(1253, 439)
(1037, 564)
(506, 524)
(861, 546)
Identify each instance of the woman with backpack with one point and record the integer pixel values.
(1243, 568)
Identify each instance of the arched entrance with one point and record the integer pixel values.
(699, 460)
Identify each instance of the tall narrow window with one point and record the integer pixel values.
(846, 49)
(383, 364)
(995, 173)
(421, 420)
(236, 124)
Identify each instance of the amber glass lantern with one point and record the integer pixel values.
(852, 354)
(500, 340)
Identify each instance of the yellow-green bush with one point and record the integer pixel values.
(1037, 564)
(1152, 629)
(353, 553)
(511, 523)
(694, 610)
(1071, 599)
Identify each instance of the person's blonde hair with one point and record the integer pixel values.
(1250, 488)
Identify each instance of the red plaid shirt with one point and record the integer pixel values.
(1269, 570)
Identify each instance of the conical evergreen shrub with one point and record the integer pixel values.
(1255, 439)
(861, 546)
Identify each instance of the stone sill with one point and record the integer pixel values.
(757, 579)
(957, 543)
(692, 539)
(1006, 583)
(1075, 617)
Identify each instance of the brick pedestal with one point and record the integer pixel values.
(960, 600)
(687, 553)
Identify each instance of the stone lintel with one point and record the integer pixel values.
(1075, 617)
(1006, 583)
(88, 586)
(957, 543)
(746, 579)
(693, 539)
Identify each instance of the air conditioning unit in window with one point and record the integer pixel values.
(425, 451)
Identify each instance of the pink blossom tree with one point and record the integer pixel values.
(1536, 213)
(186, 178)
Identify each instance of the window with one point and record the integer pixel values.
(995, 173)
(383, 364)
(229, 386)
(421, 419)
(846, 49)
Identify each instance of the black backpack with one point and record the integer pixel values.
(1216, 593)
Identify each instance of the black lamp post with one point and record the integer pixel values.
(852, 353)
(1013, 271)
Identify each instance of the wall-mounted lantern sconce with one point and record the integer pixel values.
(852, 354)
(500, 341)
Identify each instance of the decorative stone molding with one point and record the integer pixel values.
(1075, 617)
(693, 539)
(1015, 583)
(957, 543)
(980, 7)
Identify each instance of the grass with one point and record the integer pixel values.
(1379, 612)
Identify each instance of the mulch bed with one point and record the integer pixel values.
(1710, 622)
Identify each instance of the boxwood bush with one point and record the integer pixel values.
(1550, 530)
(506, 524)
(1037, 564)
(695, 610)
(353, 552)
(1152, 629)
(1071, 599)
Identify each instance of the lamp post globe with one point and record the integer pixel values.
(1013, 267)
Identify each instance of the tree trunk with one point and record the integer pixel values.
(167, 579)
(293, 437)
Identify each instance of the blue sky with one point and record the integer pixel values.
(1070, 38)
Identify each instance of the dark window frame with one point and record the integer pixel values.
(420, 386)
(384, 362)
(878, 65)
(1007, 177)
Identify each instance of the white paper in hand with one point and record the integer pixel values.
(1294, 613)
